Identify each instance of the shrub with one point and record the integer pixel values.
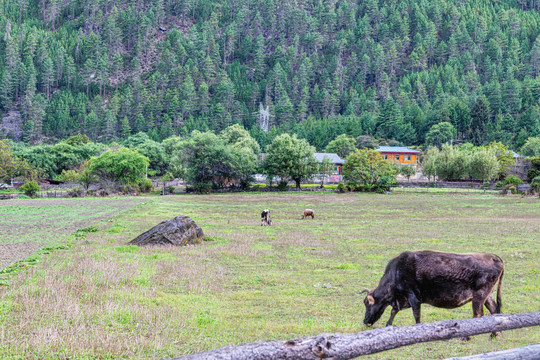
(341, 187)
(76, 191)
(510, 187)
(531, 174)
(146, 186)
(122, 166)
(499, 185)
(512, 180)
(69, 176)
(535, 185)
(30, 188)
(486, 185)
(202, 188)
(130, 189)
(171, 189)
(282, 186)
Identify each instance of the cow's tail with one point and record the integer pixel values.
(499, 300)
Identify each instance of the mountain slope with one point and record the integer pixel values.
(392, 69)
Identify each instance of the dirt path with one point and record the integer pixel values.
(28, 225)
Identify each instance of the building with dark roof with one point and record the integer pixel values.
(334, 158)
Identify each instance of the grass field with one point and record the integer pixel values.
(102, 299)
(27, 225)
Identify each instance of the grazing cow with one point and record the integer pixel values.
(445, 280)
(308, 212)
(265, 218)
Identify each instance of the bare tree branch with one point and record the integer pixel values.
(348, 346)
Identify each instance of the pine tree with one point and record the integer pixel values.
(480, 115)
(47, 75)
(166, 129)
(203, 98)
(109, 131)
(6, 90)
(125, 128)
(140, 124)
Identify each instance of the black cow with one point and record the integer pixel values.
(444, 280)
(265, 218)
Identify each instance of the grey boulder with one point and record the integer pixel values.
(178, 231)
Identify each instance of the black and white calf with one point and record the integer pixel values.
(265, 218)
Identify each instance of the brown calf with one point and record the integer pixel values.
(308, 212)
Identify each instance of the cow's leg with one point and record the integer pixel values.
(492, 307)
(392, 315)
(477, 307)
(415, 305)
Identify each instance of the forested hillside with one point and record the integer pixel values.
(391, 69)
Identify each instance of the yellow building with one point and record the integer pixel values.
(399, 154)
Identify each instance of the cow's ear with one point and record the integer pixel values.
(370, 300)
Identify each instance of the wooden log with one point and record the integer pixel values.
(531, 352)
(348, 346)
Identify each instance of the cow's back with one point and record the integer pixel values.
(449, 280)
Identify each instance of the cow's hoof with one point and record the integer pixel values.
(466, 338)
(494, 335)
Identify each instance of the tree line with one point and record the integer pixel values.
(409, 72)
(210, 161)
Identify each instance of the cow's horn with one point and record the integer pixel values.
(364, 291)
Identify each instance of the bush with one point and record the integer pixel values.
(202, 188)
(499, 185)
(486, 185)
(510, 187)
(282, 186)
(170, 189)
(531, 174)
(30, 188)
(512, 180)
(535, 185)
(130, 189)
(146, 186)
(76, 191)
(69, 176)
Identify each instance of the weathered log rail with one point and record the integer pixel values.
(348, 346)
(531, 352)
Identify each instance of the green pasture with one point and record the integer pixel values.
(28, 225)
(103, 299)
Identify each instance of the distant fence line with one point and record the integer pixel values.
(455, 185)
(234, 189)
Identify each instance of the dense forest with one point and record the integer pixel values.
(392, 69)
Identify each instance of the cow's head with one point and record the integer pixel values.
(375, 307)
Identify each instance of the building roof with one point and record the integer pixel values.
(334, 158)
(397, 149)
(515, 155)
